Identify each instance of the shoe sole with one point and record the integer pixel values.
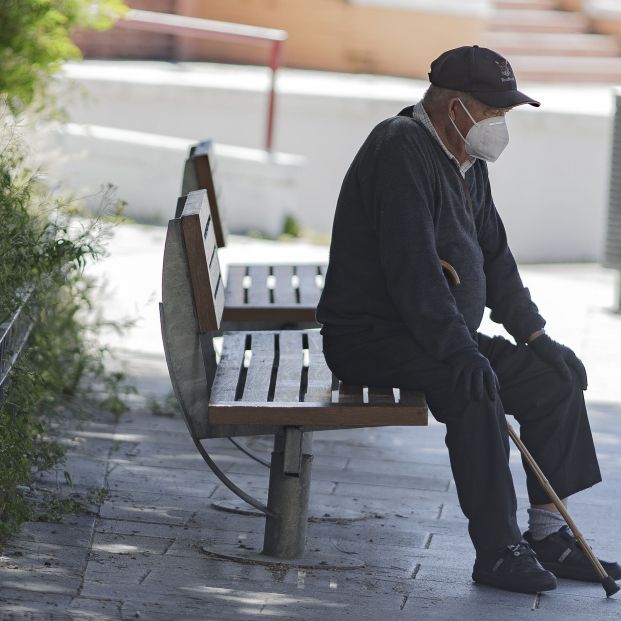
(501, 582)
(564, 571)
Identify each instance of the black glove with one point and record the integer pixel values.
(472, 373)
(560, 357)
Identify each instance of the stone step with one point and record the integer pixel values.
(551, 44)
(532, 20)
(547, 5)
(567, 69)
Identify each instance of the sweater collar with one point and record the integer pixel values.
(419, 114)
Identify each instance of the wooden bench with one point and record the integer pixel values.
(269, 382)
(262, 295)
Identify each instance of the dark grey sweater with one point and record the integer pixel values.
(404, 206)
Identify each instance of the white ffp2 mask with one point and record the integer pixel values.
(486, 139)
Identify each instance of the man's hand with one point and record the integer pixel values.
(560, 357)
(473, 374)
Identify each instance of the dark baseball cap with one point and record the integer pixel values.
(482, 73)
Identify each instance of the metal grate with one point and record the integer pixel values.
(13, 336)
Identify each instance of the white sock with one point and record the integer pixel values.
(542, 523)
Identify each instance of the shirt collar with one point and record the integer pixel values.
(420, 114)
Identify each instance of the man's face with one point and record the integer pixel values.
(465, 116)
(477, 109)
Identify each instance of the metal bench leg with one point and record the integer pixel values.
(290, 476)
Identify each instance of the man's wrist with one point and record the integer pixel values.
(535, 335)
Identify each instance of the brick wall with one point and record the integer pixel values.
(124, 43)
(331, 35)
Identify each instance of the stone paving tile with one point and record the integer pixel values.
(400, 499)
(133, 476)
(228, 458)
(423, 508)
(80, 446)
(83, 470)
(317, 590)
(53, 599)
(96, 609)
(183, 608)
(130, 545)
(143, 552)
(146, 529)
(421, 478)
(41, 557)
(137, 512)
(74, 531)
(24, 610)
(47, 580)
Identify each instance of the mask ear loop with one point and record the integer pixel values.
(455, 125)
(463, 105)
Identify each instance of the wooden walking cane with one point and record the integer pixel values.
(610, 586)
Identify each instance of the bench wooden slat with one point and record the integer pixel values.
(229, 368)
(235, 285)
(284, 291)
(323, 268)
(202, 261)
(381, 395)
(219, 299)
(285, 408)
(309, 292)
(319, 375)
(270, 314)
(260, 367)
(350, 393)
(204, 167)
(411, 398)
(211, 252)
(309, 414)
(291, 361)
(258, 294)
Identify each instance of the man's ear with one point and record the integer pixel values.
(453, 104)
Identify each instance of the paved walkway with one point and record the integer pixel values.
(138, 554)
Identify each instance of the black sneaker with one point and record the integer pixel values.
(563, 555)
(513, 568)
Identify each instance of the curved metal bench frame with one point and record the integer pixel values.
(191, 362)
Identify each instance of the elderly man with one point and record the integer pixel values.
(417, 193)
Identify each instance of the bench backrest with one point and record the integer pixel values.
(200, 174)
(201, 251)
(190, 312)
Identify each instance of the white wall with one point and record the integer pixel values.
(550, 185)
(256, 189)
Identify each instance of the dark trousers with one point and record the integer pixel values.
(551, 412)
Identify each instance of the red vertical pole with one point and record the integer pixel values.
(275, 58)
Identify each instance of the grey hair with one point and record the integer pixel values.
(436, 96)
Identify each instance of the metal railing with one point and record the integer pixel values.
(223, 31)
(14, 334)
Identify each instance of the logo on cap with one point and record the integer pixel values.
(506, 73)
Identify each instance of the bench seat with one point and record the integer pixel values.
(256, 296)
(273, 292)
(281, 378)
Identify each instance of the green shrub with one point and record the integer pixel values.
(35, 41)
(44, 249)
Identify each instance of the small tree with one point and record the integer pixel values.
(35, 39)
(44, 250)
